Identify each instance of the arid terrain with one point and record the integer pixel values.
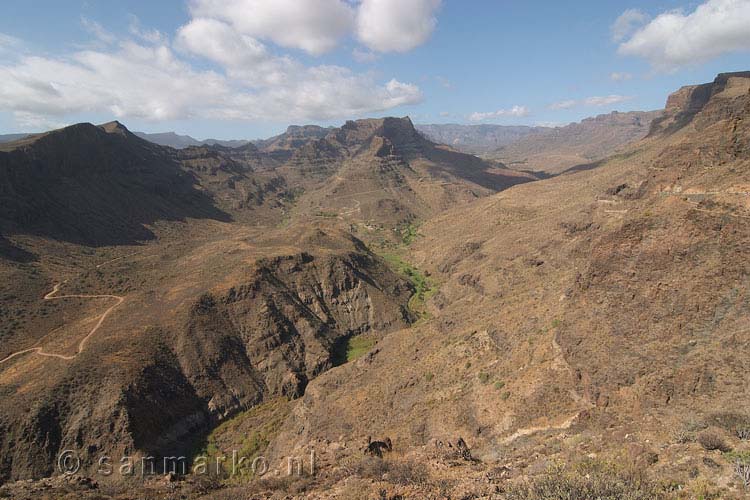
(568, 316)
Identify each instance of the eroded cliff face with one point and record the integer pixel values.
(261, 331)
(275, 332)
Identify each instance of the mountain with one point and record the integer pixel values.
(583, 319)
(183, 141)
(81, 183)
(554, 150)
(490, 334)
(12, 137)
(149, 294)
(283, 145)
(476, 139)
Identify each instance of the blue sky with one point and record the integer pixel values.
(248, 68)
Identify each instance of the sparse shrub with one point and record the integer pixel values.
(743, 433)
(407, 473)
(370, 468)
(597, 483)
(742, 471)
(682, 436)
(499, 385)
(732, 422)
(505, 395)
(428, 377)
(711, 440)
(396, 472)
(484, 377)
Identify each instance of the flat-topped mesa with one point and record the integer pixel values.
(684, 104)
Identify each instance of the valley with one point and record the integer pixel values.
(573, 304)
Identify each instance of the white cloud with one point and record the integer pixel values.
(150, 81)
(567, 104)
(9, 42)
(144, 34)
(674, 39)
(619, 77)
(364, 56)
(606, 100)
(98, 31)
(151, 78)
(597, 101)
(396, 25)
(314, 26)
(515, 111)
(628, 22)
(36, 123)
(220, 43)
(550, 124)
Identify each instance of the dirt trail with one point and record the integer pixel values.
(559, 363)
(53, 296)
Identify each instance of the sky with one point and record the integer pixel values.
(245, 69)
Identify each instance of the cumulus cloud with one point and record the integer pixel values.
(628, 22)
(314, 26)
(148, 76)
(135, 79)
(674, 39)
(597, 101)
(396, 25)
(619, 77)
(220, 43)
(515, 111)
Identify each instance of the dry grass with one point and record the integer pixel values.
(590, 482)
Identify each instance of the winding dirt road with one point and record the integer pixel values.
(53, 296)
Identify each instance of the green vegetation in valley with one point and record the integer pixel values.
(423, 286)
(408, 232)
(249, 433)
(350, 348)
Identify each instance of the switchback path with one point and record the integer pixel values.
(53, 296)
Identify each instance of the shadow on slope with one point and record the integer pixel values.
(95, 186)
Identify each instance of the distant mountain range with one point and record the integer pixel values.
(178, 141)
(476, 139)
(554, 150)
(11, 137)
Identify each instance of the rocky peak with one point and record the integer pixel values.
(684, 104)
(115, 127)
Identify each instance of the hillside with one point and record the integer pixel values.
(578, 145)
(149, 294)
(79, 184)
(572, 321)
(587, 329)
